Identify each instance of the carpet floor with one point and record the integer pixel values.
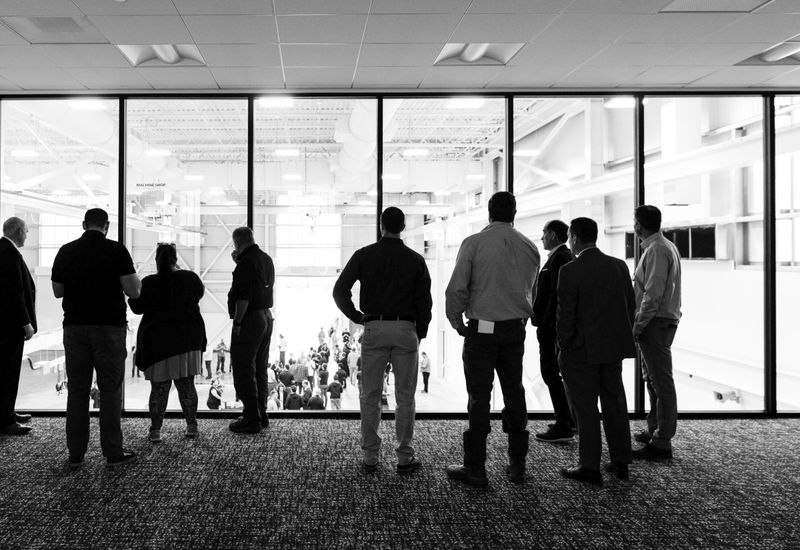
(732, 484)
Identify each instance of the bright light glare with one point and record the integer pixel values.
(287, 152)
(158, 152)
(231, 203)
(216, 191)
(465, 103)
(423, 202)
(275, 102)
(620, 102)
(391, 177)
(416, 153)
(372, 193)
(86, 105)
(526, 153)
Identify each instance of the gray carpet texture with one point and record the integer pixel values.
(298, 484)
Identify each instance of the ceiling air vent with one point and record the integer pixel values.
(456, 53)
(55, 30)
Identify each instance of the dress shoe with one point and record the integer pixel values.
(155, 435)
(643, 436)
(369, 468)
(125, 457)
(75, 462)
(240, 427)
(15, 429)
(264, 420)
(191, 431)
(467, 475)
(556, 435)
(22, 418)
(583, 474)
(651, 452)
(516, 473)
(619, 470)
(410, 467)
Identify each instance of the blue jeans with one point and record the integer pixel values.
(384, 342)
(655, 343)
(89, 349)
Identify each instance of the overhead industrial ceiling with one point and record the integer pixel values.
(270, 45)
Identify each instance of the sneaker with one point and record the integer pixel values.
(572, 427)
(651, 452)
(155, 435)
(643, 436)
(124, 458)
(410, 467)
(75, 462)
(369, 468)
(556, 435)
(191, 431)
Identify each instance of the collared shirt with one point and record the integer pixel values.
(89, 268)
(657, 282)
(494, 277)
(394, 281)
(253, 280)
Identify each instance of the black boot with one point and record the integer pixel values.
(473, 471)
(517, 451)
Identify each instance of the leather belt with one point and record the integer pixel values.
(387, 318)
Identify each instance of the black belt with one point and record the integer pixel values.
(387, 318)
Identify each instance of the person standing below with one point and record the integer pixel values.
(396, 303)
(425, 369)
(220, 351)
(282, 349)
(353, 362)
(17, 321)
(249, 301)
(93, 275)
(335, 389)
(492, 284)
(554, 239)
(657, 285)
(171, 338)
(594, 320)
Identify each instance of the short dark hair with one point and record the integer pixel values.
(585, 229)
(95, 217)
(243, 235)
(166, 258)
(393, 220)
(502, 207)
(648, 216)
(559, 228)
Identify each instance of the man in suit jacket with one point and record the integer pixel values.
(594, 322)
(554, 239)
(17, 321)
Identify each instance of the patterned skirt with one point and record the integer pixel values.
(175, 367)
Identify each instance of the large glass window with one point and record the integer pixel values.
(59, 158)
(573, 157)
(186, 184)
(704, 170)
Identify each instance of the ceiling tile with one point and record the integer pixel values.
(37, 79)
(341, 77)
(790, 79)
(599, 77)
(398, 55)
(480, 28)
(670, 76)
(579, 28)
(316, 29)
(7, 36)
(772, 28)
(139, 7)
(389, 77)
(617, 6)
(517, 6)
(541, 54)
(742, 76)
(460, 77)
(398, 29)
(241, 55)
(142, 29)
(419, 6)
(680, 27)
(524, 77)
(319, 7)
(634, 54)
(224, 7)
(48, 8)
(184, 78)
(714, 54)
(110, 79)
(780, 6)
(232, 29)
(7, 85)
(83, 55)
(248, 77)
(24, 56)
(319, 55)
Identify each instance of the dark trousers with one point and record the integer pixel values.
(249, 363)
(551, 375)
(221, 363)
(425, 377)
(584, 384)
(10, 365)
(484, 354)
(159, 396)
(90, 348)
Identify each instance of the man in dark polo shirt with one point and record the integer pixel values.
(93, 274)
(396, 304)
(249, 301)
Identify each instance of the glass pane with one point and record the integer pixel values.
(59, 158)
(186, 184)
(787, 145)
(704, 169)
(573, 157)
(314, 206)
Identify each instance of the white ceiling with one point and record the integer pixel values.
(266, 45)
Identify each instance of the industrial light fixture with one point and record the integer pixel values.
(161, 54)
(275, 102)
(416, 153)
(478, 53)
(287, 152)
(466, 103)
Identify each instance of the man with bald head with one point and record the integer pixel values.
(17, 321)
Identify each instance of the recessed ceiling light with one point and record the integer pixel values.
(476, 176)
(193, 177)
(465, 103)
(416, 153)
(158, 152)
(292, 177)
(24, 153)
(287, 152)
(526, 152)
(391, 177)
(275, 102)
(86, 105)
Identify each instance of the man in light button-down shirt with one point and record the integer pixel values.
(493, 284)
(657, 287)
